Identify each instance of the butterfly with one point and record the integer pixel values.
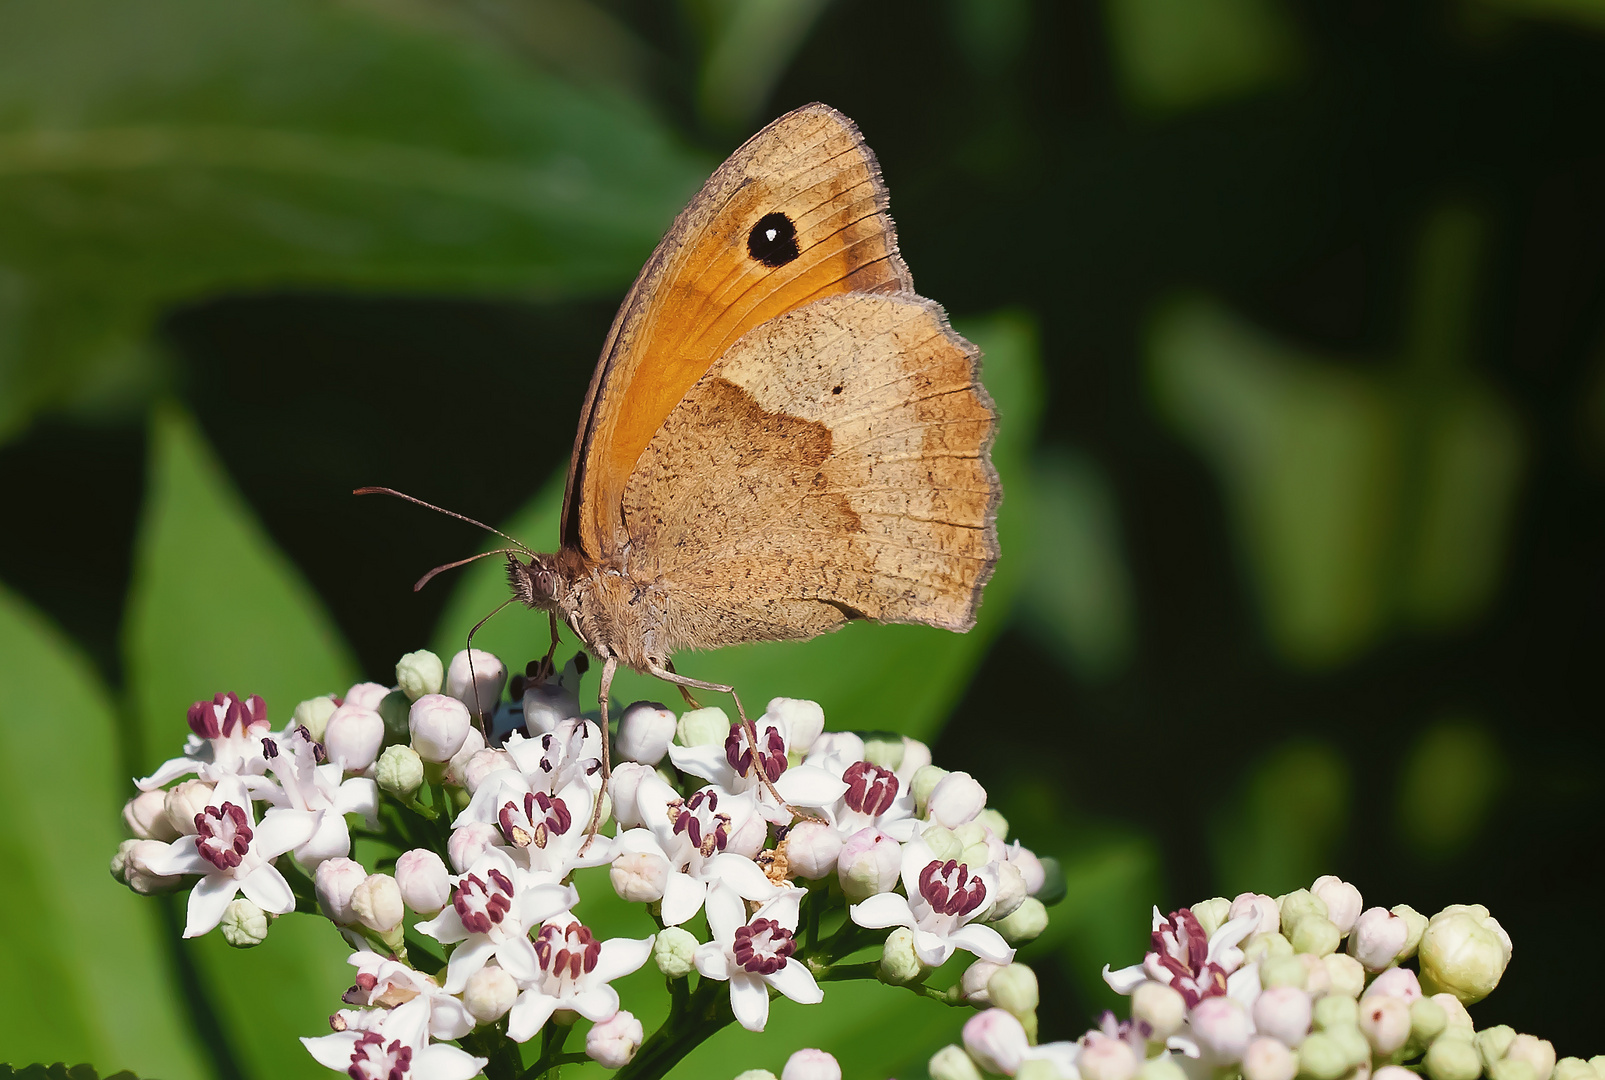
(780, 436)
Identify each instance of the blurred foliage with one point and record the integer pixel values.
(1447, 787)
(58, 1071)
(1283, 828)
(1178, 54)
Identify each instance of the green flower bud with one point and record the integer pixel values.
(1464, 952)
(1459, 1018)
(1598, 1061)
(1013, 988)
(1335, 1011)
(395, 709)
(1317, 935)
(313, 714)
(1037, 1069)
(1417, 924)
(1346, 974)
(970, 833)
(1054, 887)
(244, 924)
(701, 727)
(1160, 1007)
(951, 1063)
(995, 821)
(1574, 1068)
(1492, 1043)
(399, 772)
(1211, 914)
(925, 780)
(884, 750)
(1539, 1053)
(1451, 1057)
(1512, 1069)
(1322, 1057)
(942, 842)
(1270, 946)
(1296, 905)
(1427, 1020)
(1163, 1067)
(899, 963)
(975, 856)
(1284, 971)
(1024, 923)
(1352, 1041)
(675, 951)
(419, 673)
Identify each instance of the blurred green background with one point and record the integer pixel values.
(1293, 311)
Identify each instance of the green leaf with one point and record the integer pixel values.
(153, 154)
(215, 606)
(58, 1071)
(867, 676)
(1179, 54)
(1447, 787)
(1284, 825)
(84, 973)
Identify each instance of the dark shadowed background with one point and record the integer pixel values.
(1294, 309)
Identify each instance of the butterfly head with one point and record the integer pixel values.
(537, 583)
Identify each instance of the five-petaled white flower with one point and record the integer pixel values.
(944, 896)
(234, 853)
(545, 831)
(552, 760)
(755, 954)
(305, 783)
(574, 971)
(225, 740)
(1181, 957)
(875, 796)
(394, 1046)
(386, 981)
(736, 767)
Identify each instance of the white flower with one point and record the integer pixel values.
(997, 1041)
(573, 970)
(225, 740)
(1195, 966)
(734, 767)
(873, 794)
(234, 854)
(492, 909)
(692, 834)
(385, 981)
(554, 759)
(318, 789)
(545, 831)
(755, 954)
(394, 1045)
(943, 898)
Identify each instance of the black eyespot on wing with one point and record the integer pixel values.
(773, 241)
(837, 390)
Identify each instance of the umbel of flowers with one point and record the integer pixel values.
(474, 811)
(1311, 984)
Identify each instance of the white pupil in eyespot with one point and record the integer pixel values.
(771, 233)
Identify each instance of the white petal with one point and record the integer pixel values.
(635, 842)
(330, 840)
(280, 830)
(359, 795)
(917, 855)
(517, 958)
(266, 888)
(931, 949)
(796, 982)
(726, 913)
(446, 928)
(983, 941)
(529, 1014)
(495, 789)
(440, 1062)
(749, 1000)
(1228, 935)
(207, 901)
(652, 799)
(808, 785)
(707, 761)
(712, 960)
(620, 957)
(682, 898)
(536, 905)
(741, 874)
(181, 857)
(882, 910)
(598, 1004)
(448, 1018)
(168, 771)
(466, 959)
(332, 1051)
(1126, 979)
(784, 907)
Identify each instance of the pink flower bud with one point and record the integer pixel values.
(439, 723)
(1030, 867)
(810, 1064)
(640, 876)
(367, 694)
(1378, 938)
(1222, 1030)
(973, 983)
(136, 857)
(489, 993)
(1267, 1059)
(336, 880)
(812, 847)
(613, 1042)
(469, 842)
(956, 799)
(1011, 892)
(376, 902)
(916, 755)
(645, 731)
(1103, 1058)
(1342, 900)
(1160, 1007)
(1396, 982)
(868, 864)
(1283, 1013)
(183, 802)
(353, 736)
(750, 837)
(423, 881)
(1385, 1021)
(1270, 918)
(473, 743)
(482, 764)
(482, 689)
(547, 705)
(146, 817)
(800, 721)
(996, 1040)
(1395, 1072)
(622, 788)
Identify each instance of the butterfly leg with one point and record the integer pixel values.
(609, 667)
(685, 692)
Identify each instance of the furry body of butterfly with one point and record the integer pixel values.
(780, 435)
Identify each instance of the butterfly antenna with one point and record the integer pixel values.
(473, 679)
(427, 578)
(448, 513)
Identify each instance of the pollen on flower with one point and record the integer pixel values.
(763, 946)
(772, 758)
(480, 905)
(871, 789)
(698, 818)
(950, 888)
(565, 954)
(223, 835)
(539, 818)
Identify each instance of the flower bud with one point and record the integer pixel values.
(468, 842)
(243, 924)
(1394, 1072)
(399, 772)
(1323, 1057)
(1342, 900)
(811, 1065)
(801, 721)
(1267, 1059)
(1103, 1058)
(1335, 1011)
(482, 764)
(700, 727)
(1010, 892)
(313, 714)
(1212, 913)
(1284, 971)
(645, 731)
(1508, 1069)
(612, 1043)
(868, 864)
(1032, 872)
(336, 880)
(480, 689)
(1396, 982)
(376, 903)
(1385, 1022)
(1315, 935)
(1222, 1029)
(1428, 1020)
(924, 782)
(1464, 952)
(489, 993)
(1348, 977)
(1379, 937)
(1296, 905)
(992, 1038)
(541, 710)
(972, 984)
(899, 963)
(674, 951)
(1013, 988)
(183, 802)
(639, 876)
(1162, 1067)
(146, 817)
(885, 751)
(622, 788)
(1025, 923)
(1270, 916)
(993, 822)
(422, 879)
(952, 1063)
(1456, 1018)
(1284, 1013)
(943, 842)
(812, 847)
(1574, 1068)
(1539, 1053)
(419, 673)
(1492, 1042)
(1262, 948)
(749, 838)
(473, 743)
(1160, 1007)
(1452, 1057)
(131, 866)
(353, 736)
(439, 723)
(1317, 980)
(955, 799)
(756, 1074)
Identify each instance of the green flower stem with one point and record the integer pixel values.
(870, 969)
(553, 1036)
(707, 1010)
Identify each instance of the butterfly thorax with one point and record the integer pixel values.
(609, 609)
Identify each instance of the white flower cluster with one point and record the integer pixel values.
(482, 839)
(1309, 984)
